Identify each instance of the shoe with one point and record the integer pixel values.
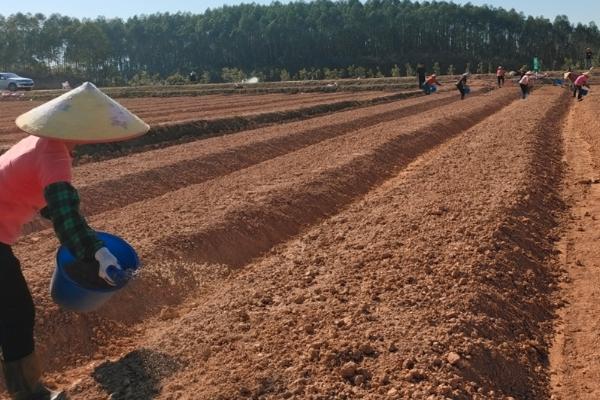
(23, 380)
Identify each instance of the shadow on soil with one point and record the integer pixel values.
(138, 375)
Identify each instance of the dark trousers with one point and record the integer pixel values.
(421, 81)
(17, 313)
(462, 92)
(579, 90)
(524, 90)
(500, 81)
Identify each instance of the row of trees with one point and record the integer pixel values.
(376, 34)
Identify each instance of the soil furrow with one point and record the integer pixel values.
(87, 174)
(575, 356)
(207, 108)
(154, 182)
(170, 134)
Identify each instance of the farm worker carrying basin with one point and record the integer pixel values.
(462, 86)
(35, 174)
(429, 85)
(580, 83)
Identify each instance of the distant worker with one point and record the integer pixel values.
(500, 72)
(36, 175)
(580, 85)
(526, 83)
(462, 87)
(421, 75)
(429, 85)
(588, 58)
(570, 78)
(193, 76)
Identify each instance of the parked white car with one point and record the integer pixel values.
(14, 82)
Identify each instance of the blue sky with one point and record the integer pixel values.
(577, 11)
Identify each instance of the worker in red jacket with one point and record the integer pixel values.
(429, 85)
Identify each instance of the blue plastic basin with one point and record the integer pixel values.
(70, 295)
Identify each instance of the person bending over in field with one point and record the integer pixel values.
(461, 85)
(571, 77)
(526, 83)
(429, 85)
(35, 175)
(580, 83)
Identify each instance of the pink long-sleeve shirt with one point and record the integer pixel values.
(25, 170)
(581, 80)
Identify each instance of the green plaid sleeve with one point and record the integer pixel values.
(70, 226)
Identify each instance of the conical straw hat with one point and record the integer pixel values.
(82, 115)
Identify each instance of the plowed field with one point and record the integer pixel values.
(156, 111)
(416, 249)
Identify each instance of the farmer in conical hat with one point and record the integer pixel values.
(35, 174)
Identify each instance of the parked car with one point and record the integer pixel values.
(14, 82)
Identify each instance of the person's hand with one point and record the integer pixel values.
(109, 270)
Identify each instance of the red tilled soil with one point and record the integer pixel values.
(177, 109)
(135, 177)
(399, 251)
(229, 109)
(575, 356)
(155, 111)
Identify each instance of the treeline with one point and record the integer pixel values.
(296, 40)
